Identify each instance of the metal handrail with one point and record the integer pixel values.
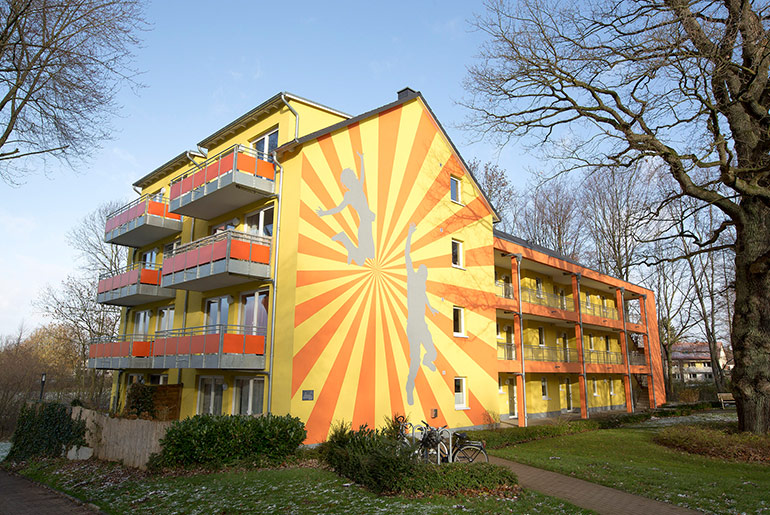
(633, 317)
(637, 358)
(130, 338)
(128, 268)
(235, 148)
(552, 300)
(506, 289)
(604, 357)
(213, 329)
(599, 310)
(154, 197)
(508, 350)
(220, 236)
(550, 353)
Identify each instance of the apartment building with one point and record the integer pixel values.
(347, 268)
(691, 361)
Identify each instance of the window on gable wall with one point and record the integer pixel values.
(454, 189)
(266, 145)
(457, 253)
(460, 401)
(458, 322)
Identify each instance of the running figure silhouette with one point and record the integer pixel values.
(416, 328)
(356, 199)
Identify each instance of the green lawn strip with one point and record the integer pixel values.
(291, 490)
(628, 459)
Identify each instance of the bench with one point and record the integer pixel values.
(726, 399)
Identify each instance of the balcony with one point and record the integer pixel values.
(141, 222)
(214, 346)
(223, 259)
(133, 285)
(598, 310)
(504, 290)
(637, 358)
(546, 353)
(506, 351)
(228, 181)
(604, 357)
(633, 316)
(550, 300)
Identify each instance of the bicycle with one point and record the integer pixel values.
(467, 450)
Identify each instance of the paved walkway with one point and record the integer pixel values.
(20, 496)
(591, 496)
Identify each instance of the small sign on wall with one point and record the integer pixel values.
(307, 395)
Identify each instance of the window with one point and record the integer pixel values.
(142, 322)
(158, 378)
(607, 343)
(168, 248)
(457, 253)
(588, 301)
(454, 189)
(458, 322)
(249, 394)
(210, 395)
(593, 388)
(135, 378)
(499, 334)
(217, 311)
(254, 312)
(225, 226)
(165, 318)
(460, 393)
(266, 144)
(612, 387)
(148, 258)
(590, 341)
(541, 336)
(539, 286)
(260, 223)
(544, 387)
(562, 299)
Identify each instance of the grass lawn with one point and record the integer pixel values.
(292, 490)
(629, 460)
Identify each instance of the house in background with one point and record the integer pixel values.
(304, 261)
(691, 361)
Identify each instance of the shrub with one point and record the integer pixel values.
(216, 440)
(716, 442)
(459, 478)
(498, 438)
(45, 429)
(140, 400)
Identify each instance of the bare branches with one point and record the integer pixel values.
(61, 65)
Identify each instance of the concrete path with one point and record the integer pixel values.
(591, 496)
(20, 496)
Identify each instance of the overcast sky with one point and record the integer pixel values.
(203, 67)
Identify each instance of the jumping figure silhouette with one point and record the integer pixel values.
(356, 198)
(416, 327)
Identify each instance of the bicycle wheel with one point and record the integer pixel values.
(470, 453)
(428, 454)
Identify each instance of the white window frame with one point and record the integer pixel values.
(594, 388)
(237, 392)
(499, 333)
(544, 387)
(541, 336)
(607, 346)
(261, 227)
(241, 311)
(458, 182)
(590, 341)
(206, 309)
(612, 387)
(265, 140)
(143, 313)
(460, 261)
(200, 393)
(539, 287)
(168, 310)
(149, 257)
(134, 378)
(463, 392)
(163, 378)
(460, 313)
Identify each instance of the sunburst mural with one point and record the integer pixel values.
(374, 272)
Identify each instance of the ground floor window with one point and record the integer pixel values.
(460, 402)
(135, 378)
(249, 394)
(158, 378)
(210, 391)
(544, 387)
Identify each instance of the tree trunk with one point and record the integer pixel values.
(751, 321)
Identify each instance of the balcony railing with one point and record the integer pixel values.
(604, 357)
(210, 346)
(637, 358)
(223, 259)
(546, 353)
(228, 181)
(550, 300)
(506, 350)
(141, 222)
(633, 317)
(504, 289)
(598, 310)
(132, 285)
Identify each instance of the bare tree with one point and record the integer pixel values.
(61, 65)
(20, 378)
(550, 215)
(613, 82)
(498, 189)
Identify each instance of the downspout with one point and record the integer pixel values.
(190, 157)
(521, 340)
(649, 351)
(296, 117)
(582, 347)
(625, 337)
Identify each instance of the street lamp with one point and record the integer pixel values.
(42, 386)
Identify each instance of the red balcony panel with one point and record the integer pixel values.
(176, 190)
(197, 344)
(142, 349)
(211, 344)
(243, 344)
(143, 221)
(247, 163)
(265, 169)
(147, 276)
(219, 250)
(205, 255)
(226, 164)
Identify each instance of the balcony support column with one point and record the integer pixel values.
(521, 404)
(581, 351)
(619, 302)
(516, 266)
(646, 339)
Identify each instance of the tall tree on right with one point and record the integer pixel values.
(679, 82)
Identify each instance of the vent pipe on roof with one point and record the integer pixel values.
(406, 92)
